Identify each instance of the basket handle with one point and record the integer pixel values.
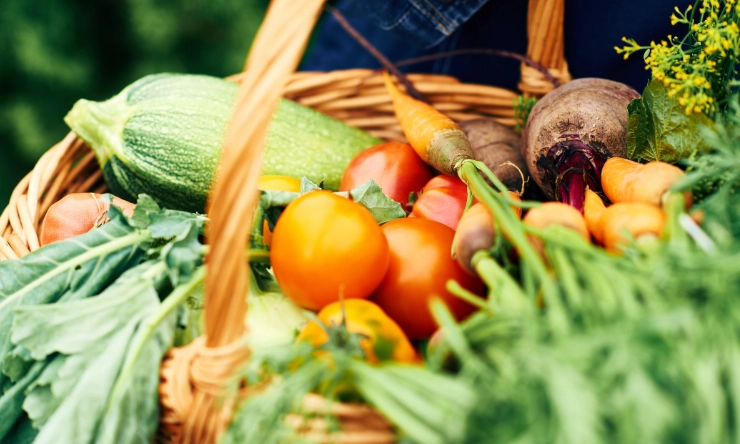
(546, 46)
(275, 54)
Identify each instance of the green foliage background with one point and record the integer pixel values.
(57, 51)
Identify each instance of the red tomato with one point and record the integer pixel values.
(394, 166)
(325, 245)
(442, 199)
(419, 269)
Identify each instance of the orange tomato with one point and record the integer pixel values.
(420, 267)
(383, 338)
(269, 182)
(278, 183)
(324, 246)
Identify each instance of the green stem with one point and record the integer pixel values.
(508, 221)
(145, 330)
(100, 124)
(461, 292)
(257, 255)
(497, 279)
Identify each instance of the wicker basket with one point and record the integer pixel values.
(196, 405)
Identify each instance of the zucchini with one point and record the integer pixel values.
(162, 136)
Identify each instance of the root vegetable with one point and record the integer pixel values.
(613, 226)
(476, 232)
(593, 210)
(624, 220)
(496, 144)
(571, 132)
(436, 138)
(76, 214)
(555, 213)
(626, 181)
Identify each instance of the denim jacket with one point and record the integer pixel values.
(424, 23)
(403, 29)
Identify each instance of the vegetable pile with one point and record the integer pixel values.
(420, 278)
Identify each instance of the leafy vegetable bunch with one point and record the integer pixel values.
(85, 322)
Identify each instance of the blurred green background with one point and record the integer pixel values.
(57, 51)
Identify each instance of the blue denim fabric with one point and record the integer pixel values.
(403, 29)
(423, 23)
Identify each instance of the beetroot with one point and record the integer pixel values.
(571, 132)
(495, 144)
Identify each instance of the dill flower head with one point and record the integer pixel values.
(698, 68)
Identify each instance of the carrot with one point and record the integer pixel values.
(476, 232)
(436, 138)
(623, 220)
(76, 214)
(555, 213)
(593, 210)
(626, 181)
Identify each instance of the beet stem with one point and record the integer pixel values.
(571, 166)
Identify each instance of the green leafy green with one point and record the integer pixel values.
(382, 207)
(22, 432)
(72, 269)
(714, 177)
(369, 195)
(83, 368)
(660, 129)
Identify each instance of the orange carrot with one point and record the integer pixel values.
(593, 211)
(475, 232)
(437, 139)
(555, 213)
(626, 181)
(638, 219)
(76, 214)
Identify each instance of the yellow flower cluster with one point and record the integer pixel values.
(691, 67)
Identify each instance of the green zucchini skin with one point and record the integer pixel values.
(163, 135)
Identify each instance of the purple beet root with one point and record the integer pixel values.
(571, 132)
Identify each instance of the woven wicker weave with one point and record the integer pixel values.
(196, 404)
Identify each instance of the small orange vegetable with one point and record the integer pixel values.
(555, 213)
(269, 182)
(76, 214)
(593, 210)
(437, 139)
(639, 219)
(384, 340)
(626, 181)
(476, 232)
(278, 183)
(609, 224)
